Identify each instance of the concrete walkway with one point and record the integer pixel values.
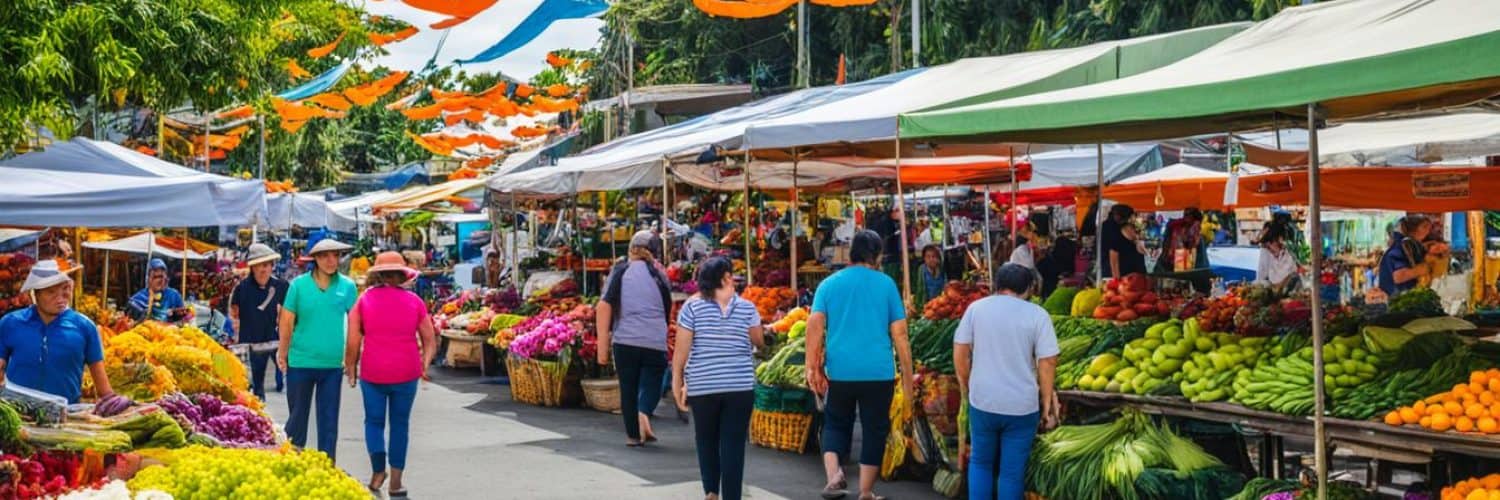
(469, 440)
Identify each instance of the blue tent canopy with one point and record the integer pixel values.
(548, 12)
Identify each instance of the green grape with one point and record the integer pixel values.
(201, 472)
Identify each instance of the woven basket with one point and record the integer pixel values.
(602, 394)
(543, 383)
(780, 431)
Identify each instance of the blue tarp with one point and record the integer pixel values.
(318, 84)
(548, 12)
(416, 172)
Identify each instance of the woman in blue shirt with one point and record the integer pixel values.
(713, 372)
(862, 314)
(1401, 267)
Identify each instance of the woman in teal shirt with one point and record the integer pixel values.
(312, 345)
(860, 314)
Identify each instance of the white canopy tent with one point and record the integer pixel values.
(234, 201)
(144, 244)
(1177, 172)
(1449, 139)
(36, 197)
(309, 210)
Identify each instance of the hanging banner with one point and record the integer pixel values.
(1440, 186)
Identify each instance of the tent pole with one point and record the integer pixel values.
(261, 174)
(666, 203)
(1315, 234)
(1099, 256)
(749, 232)
(104, 292)
(989, 257)
(916, 33)
(1015, 212)
(150, 297)
(515, 240)
(901, 238)
(793, 212)
(184, 262)
(803, 80)
(78, 247)
(947, 226)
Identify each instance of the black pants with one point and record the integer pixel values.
(721, 425)
(641, 371)
(873, 400)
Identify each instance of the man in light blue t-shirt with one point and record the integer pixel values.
(1005, 352)
(862, 314)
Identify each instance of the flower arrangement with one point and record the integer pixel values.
(549, 339)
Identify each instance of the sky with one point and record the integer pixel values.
(479, 33)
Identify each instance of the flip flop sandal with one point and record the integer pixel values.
(397, 493)
(872, 497)
(836, 491)
(634, 444)
(376, 489)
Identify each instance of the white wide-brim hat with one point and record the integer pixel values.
(260, 253)
(45, 274)
(328, 245)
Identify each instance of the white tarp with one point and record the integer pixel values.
(346, 214)
(1177, 172)
(636, 161)
(235, 201)
(142, 244)
(34, 197)
(1079, 165)
(308, 210)
(872, 116)
(1455, 139)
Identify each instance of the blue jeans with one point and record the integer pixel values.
(258, 363)
(873, 402)
(398, 399)
(1001, 446)
(303, 385)
(641, 372)
(721, 424)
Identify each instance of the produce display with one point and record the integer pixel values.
(932, 343)
(1262, 487)
(1085, 302)
(204, 472)
(955, 298)
(42, 475)
(94, 309)
(768, 301)
(787, 368)
(13, 270)
(154, 359)
(1130, 298)
(113, 490)
(228, 424)
(1426, 365)
(1060, 303)
(549, 339)
(1474, 488)
(1130, 458)
(792, 317)
(1467, 407)
(1283, 382)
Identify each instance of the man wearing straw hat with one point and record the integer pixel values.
(47, 345)
(254, 306)
(311, 350)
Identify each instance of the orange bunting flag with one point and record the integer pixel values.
(459, 10)
(450, 120)
(239, 113)
(423, 113)
(474, 116)
(292, 126)
(493, 142)
(320, 52)
(557, 61)
(434, 147)
(480, 162)
(558, 90)
(504, 108)
(404, 102)
(359, 96)
(441, 95)
(844, 3)
(547, 105)
(743, 9)
(523, 91)
(238, 131)
(380, 39)
(527, 132)
(331, 101)
(295, 70)
(455, 104)
(464, 173)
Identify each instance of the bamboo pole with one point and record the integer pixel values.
(901, 210)
(1315, 234)
(515, 240)
(104, 292)
(1099, 257)
(749, 232)
(793, 212)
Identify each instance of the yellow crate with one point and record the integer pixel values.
(780, 431)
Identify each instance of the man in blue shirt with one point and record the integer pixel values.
(864, 317)
(46, 346)
(254, 307)
(165, 302)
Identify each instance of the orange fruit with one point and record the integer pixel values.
(1494, 385)
(1487, 398)
(1406, 416)
(1477, 387)
(1495, 410)
(1463, 424)
(1478, 378)
(1494, 494)
(1488, 425)
(1459, 390)
(1441, 422)
(1453, 408)
(1476, 410)
(1491, 482)
(1477, 495)
(1420, 407)
(1394, 418)
(1425, 422)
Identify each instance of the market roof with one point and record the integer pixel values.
(235, 201)
(684, 99)
(1355, 58)
(1417, 189)
(36, 197)
(872, 116)
(149, 243)
(415, 198)
(1449, 138)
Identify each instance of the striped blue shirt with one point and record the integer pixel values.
(720, 359)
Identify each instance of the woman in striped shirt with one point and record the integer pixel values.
(713, 372)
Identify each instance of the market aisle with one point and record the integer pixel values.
(467, 445)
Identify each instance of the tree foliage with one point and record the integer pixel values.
(676, 43)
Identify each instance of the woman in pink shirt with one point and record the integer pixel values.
(391, 342)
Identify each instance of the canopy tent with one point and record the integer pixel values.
(234, 201)
(1171, 188)
(345, 214)
(1057, 175)
(149, 243)
(637, 160)
(1355, 58)
(12, 238)
(843, 173)
(1446, 139)
(307, 210)
(415, 198)
(872, 116)
(49, 198)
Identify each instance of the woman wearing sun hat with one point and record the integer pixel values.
(391, 343)
(46, 345)
(311, 348)
(253, 307)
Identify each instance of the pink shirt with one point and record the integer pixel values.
(391, 353)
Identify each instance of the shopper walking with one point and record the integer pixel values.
(311, 351)
(391, 343)
(860, 313)
(632, 322)
(713, 372)
(1005, 353)
(254, 306)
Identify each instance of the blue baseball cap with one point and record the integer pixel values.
(157, 264)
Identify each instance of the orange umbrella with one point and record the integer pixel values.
(319, 52)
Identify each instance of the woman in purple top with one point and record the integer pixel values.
(632, 322)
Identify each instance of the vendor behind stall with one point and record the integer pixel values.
(1404, 266)
(1183, 250)
(1121, 255)
(47, 345)
(1277, 266)
(930, 276)
(165, 302)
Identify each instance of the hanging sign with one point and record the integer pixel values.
(1440, 186)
